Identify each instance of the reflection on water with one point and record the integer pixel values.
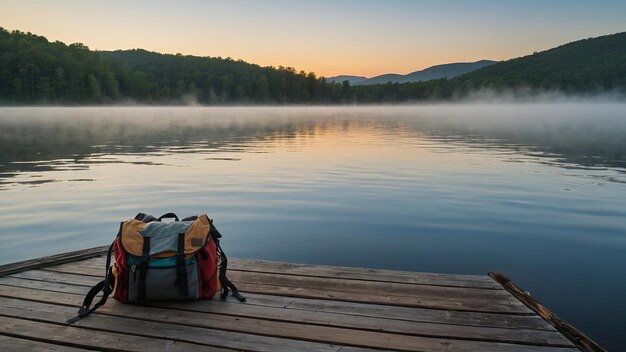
(536, 191)
(574, 136)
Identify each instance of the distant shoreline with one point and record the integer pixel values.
(545, 98)
(36, 71)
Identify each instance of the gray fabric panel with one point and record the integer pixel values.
(164, 235)
(161, 284)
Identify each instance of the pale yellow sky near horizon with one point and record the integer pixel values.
(329, 38)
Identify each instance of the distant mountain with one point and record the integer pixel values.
(386, 78)
(352, 79)
(585, 67)
(433, 72)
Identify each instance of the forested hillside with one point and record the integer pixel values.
(588, 65)
(36, 71)
(585, 67)
(215, 80)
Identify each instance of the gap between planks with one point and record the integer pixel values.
(247, 311)
(303, 275)
(532, 322)
(126, 314)
(352, 273)
(446, 298)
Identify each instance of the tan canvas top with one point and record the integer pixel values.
(164, 236)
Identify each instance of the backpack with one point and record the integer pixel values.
(155, 260)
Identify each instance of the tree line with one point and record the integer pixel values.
(36, 71)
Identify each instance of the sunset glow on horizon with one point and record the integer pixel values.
(363, 38)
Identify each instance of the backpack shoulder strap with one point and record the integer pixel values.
(227, 285)
(104, 286)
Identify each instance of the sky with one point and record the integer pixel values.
(356, 37)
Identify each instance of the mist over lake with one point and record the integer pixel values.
(537, 191)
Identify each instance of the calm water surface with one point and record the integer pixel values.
(537, 191)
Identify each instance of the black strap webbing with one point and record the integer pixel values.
(143, 269)
(181, 267)
(168, 216)
(104, 286)
(145, 218)
(190, 218)
(227, 285)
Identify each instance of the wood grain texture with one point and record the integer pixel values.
(337, 272)
(218, 309)
(142, 325)
(348, 285)
(532, 322)
(423, 296)
(290, 307)
(73, 336)
(145, 318)
(12, 344)
(52, 260)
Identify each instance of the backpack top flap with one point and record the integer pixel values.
(164, 236)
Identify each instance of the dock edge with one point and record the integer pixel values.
(582, 341)
(56, 259)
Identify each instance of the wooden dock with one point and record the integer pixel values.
(289, 307)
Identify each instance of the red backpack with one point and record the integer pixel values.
(156, 260)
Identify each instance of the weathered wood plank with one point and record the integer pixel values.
(375, 288)
(581, 340)
(359, 309)
(73, 279)
(352, 337)
(78, 268)
(58, 314)
(532, 322)
(394, 288)
(43, 285)
(338, 272)
(320, 318)
(51, 260)
(290, 297)
(91, 339)
(354, 291)
(12, 344)
(372, 323)
(503, 306)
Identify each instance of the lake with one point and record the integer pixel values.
(535, 190)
